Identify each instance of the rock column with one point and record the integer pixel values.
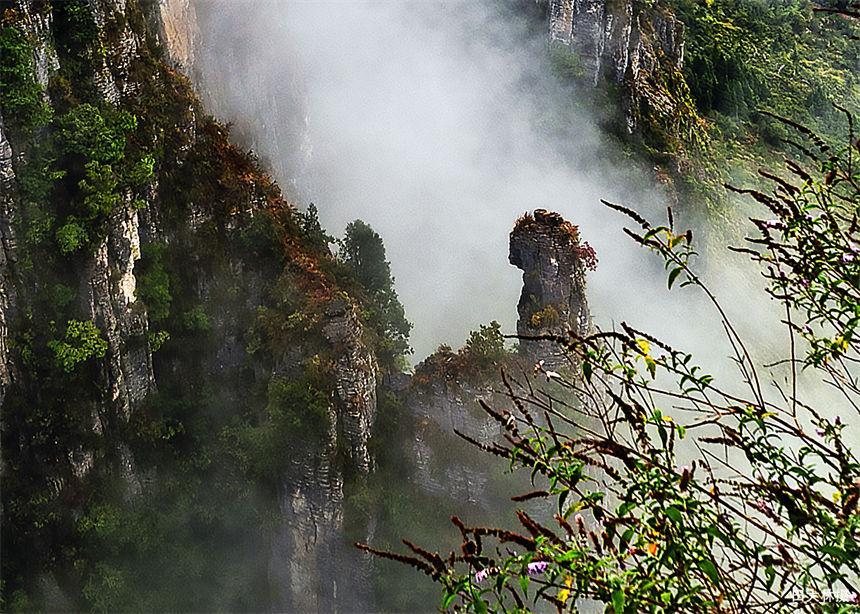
(548, 250)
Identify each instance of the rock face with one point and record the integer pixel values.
(355, 376)
(178, 28)
(224, 280)
(7, 252)
(312, 567)
(548, 250)
(624, 41)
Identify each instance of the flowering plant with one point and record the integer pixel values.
(670, 490)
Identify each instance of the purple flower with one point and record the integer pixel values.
(762, 506)
(534, 569)
(482, 575)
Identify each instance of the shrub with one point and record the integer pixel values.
(71, 237)
(196, 320)
(153, 283)
(566, 63)
(485, 347)
(95, 140)
(298, 407)
(99, 187)
(545, 318)
(81, 342)
(95, 134)
(21, 96)
(157, 339)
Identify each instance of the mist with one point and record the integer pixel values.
(439, 124)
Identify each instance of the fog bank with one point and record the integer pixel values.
(438, 124)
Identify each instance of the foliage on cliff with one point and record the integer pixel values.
(743, 57)
(478, 362)
(701, 123)
(363, 253)
(148, 506)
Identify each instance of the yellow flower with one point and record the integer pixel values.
(564, 594)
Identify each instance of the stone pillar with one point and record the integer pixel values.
(548, 250)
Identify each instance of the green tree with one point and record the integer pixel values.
(485, 347)
(363, 252)
(309, 222)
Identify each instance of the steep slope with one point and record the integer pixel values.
(638, 47)
(179, 349)
(691, 79)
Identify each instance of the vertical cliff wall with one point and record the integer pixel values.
(638, 46)
(158, 296)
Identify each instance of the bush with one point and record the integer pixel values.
(71, 237)
(297, 407)
(93, 142)
(485, 347)
(21, 96)
(153, 283)
(81, 342)
(196, 320)
(95, 134)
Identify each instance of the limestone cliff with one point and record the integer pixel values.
(553, 259)
(637, 45)
(193, 285)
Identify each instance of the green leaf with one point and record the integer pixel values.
(674, 513)
(673, 276)
(839, 553)
(618, 600)
(710, 570)
(449, 599)
(561, 499)
(770, 572)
